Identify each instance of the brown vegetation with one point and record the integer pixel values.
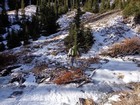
(126, 47)
(87, 101)
(94, 60)
(39, 69)
(7, 59)
(69, 76)
(130, 98)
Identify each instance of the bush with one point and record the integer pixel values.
(129, 97)
(69, 76)
(126, 47)
(7, 59)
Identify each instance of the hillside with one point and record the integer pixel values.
(47, 58)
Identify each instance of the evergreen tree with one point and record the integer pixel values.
(4, 17)
(12, 4)
(34, 2)
(56, 7)
(108, 4)
(16, 8)
(95, 6)
(88, 6)
(78, 37)
(22, 10)
(2, 46)
(103, 6)
(13, 39)
(34, 28)
(88, 39)
(1, 38)
(25, 33)
(48, 19)
(65, 6)
(121, 4)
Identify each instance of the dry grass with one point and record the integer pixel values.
(87, 101)
(126, 47)
(94, 60)
(120, 76)
(7, 59)
(39, 69)
(130, 98)
(68, 76)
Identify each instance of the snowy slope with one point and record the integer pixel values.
(110, 74)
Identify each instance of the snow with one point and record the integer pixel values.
(109, 75)
(66, 19)
(112, 99)
(15, 27)
(106, 33)
(30, 80)
(29, 11)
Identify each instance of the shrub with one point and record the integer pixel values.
(69, 76)
(130, 97)
(7, 59)
(37, 70)
(126, 47)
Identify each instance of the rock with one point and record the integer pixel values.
(87, 101)
(16, 93)
(17, 77)
(4, 72)
(8, 70)
(19, 80)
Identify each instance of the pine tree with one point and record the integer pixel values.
(56, 7)
(4, 17)
(78, 37)
(2, 46)
(65, 6)
(95, 6)
(12, 4)
(108, 4)
(103, 6)
(48, 19)
(34, 28)
(89, 6)
(22, 9)
(77, 18)
(13, 39)
(117, 2)
(121, 5)
(25, 33)
(16, 8)
(34, 2)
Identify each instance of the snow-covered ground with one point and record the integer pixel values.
(110, 74)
